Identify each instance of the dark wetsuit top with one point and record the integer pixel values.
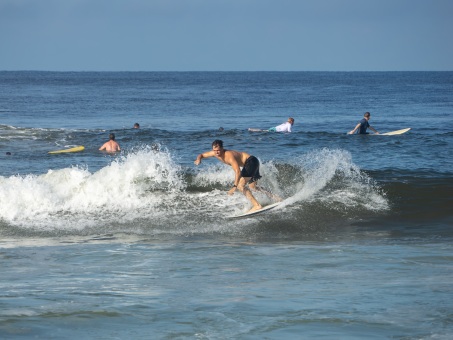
(251, 169)
(363, 126)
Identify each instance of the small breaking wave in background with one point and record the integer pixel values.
(146, 191)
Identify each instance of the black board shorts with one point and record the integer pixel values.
(251, 169)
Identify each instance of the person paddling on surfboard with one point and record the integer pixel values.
(285, 127)
(111, 145)
(363, 125)
(249, 174)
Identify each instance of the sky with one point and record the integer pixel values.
(226, 35)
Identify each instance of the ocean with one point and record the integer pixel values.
(139, 243)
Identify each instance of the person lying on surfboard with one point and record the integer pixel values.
(363, 125)
(249, 175)
(111, 145)
(285, 127)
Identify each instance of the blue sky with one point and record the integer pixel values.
(226, 35)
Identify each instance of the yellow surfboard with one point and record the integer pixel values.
(74, 149)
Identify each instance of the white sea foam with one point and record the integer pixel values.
(148, 188)
(73, 195)
(330, 176)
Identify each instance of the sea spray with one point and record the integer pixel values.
(145, 190)
(120, 190)
(331, 177)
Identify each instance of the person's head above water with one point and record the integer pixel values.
(112, 136)
(291, 120)
(217, 147)
(136, 126)
(218, 143)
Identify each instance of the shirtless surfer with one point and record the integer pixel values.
(111, 145)
(248, 175)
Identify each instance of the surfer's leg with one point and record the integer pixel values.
(248, 194)
(254, 187)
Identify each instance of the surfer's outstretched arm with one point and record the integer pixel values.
(204, 155)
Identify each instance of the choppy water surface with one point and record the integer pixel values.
(139, 244)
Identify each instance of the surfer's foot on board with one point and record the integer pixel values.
(255, 209)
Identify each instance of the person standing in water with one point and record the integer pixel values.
(245, 179)
(363, 125)
(111, 145)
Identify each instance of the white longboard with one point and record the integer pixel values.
(257, 130)
(392, 133)
(256, 212)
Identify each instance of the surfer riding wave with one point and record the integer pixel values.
(246, 179)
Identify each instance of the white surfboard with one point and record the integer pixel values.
(397, 132)
(256, 212)
(257, 130)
